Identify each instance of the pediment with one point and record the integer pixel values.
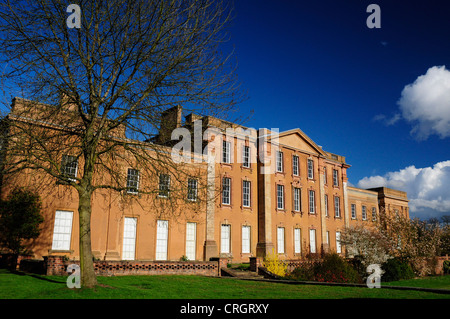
(297, 139)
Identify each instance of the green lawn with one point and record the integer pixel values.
(26, 286)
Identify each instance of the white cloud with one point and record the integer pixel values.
(428, 188)
(426, 103)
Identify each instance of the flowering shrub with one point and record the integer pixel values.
(275, 265)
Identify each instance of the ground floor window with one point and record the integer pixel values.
(162, 236)
(62, 231)
(225, 237)
(246, 239)
(312, 240)
(191, 234)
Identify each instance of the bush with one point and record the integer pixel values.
(397, 269)
(274, 265)
(447, 267)
(332, 268)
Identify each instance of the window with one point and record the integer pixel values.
(280, 240)
(310, 169)
(325, 175)
(312, 201)
(335, 178)
(338, 242)
(326, 205)
(246, 239)
(164, 185)
(297, 201)
(337, 210)
(226, 152)
(129, 238)
(62, 231)
(328, 238)
(191, 240)
(353, 211)
(374, 213)
(246, 193)
(162, 235)
(312, 241)
(246, 156)
(132, 181)
(192, 189)
(280, 197)
(225, 237)
(297, 241)
(69, 167)
(295, 166)
(226, 190)
(279, 161)
(364, 212)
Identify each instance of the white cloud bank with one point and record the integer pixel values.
(426, 104)
(428, 188)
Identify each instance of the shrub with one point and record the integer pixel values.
(447, 267)
(275, 265)
(397, 269)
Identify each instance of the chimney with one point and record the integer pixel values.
(170, 120)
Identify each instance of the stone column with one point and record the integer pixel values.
(323, 220)
(210, 246)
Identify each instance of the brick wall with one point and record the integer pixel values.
(57, 265)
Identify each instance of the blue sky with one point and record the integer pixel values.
(317, 66)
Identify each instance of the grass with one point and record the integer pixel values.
(27, 286)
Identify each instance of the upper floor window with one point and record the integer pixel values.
(226, 152)
(374, 213)
(297, 200)
(310, 169)
(69, 166)
(353, 211)
(279, 161)
(164, 185)
(325, 180)
(312, 202)
(335, 178)
(364, 213)
(246, 156)
(132, 181)
(226, 190)
(295, 166)
(280, 197)
(192, 189)
(337, 208)
(246, 193)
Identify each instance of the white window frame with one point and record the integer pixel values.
(335, 177)
(312, 201)
(62, 230)
(69, 167)
(226, 191)
(297, 241)
(280, 240)
(133, 176)
(226, 152)
(364, 212)
(297, 199)
(191, 240)
(164, 185)
(162, 239)
(280, 197)
(246, 156)
(295, 165)
(326, 205)
(337, 206)
(225, 239)
(312, 241)
(279, 162)
(374, 214)
(129, 238)
(338, 242)
(192, 189)
(246, 238)
(310, 164)
(246, 193)
(353, 209)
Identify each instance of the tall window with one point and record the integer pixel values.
(226, 190)
(325, 180)
(326, 205)
(192, 189)
(129, 238)
(297, 201)
(132, 181)
(374, 213)
(297, 241)
(312, 241)
(226, 152)
(295, 166)
(279, 161)
(280, 240)
(338, 242)
(280, 196)
(164, 185)
(310, 169)
(62, 231)
(246, 156)
(225, 238)
(312, 202)
(191, 240)
(364, 212)
(162, 236)
(337, 210)
(246, 239)
(335, 178)
(246, 193)
(353, 211)
(69, 167)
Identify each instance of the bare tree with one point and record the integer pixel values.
(102, 89)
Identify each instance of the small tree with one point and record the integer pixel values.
(20, 217)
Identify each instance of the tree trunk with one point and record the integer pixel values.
(88, 277)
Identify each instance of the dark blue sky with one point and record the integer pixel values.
(317, 66)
